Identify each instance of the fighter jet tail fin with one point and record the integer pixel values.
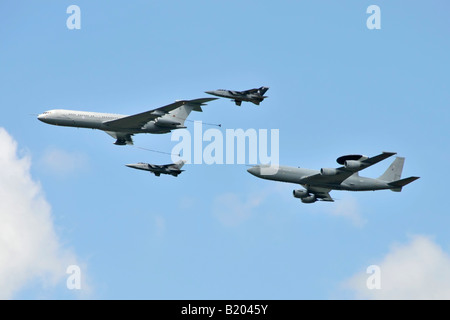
(399, 184)
(394, 172)
(179, 164)
(263, 90)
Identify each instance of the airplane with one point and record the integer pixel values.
(172, 169)
(318, 184)
(122, 127)
(253, 95)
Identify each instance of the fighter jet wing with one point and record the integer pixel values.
(340, 174)
(137, 121)
(169, 167)
(156, 166)
(250, 91)
(162, 166)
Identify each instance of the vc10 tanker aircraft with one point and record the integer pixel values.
(121, 127)
(318, 184)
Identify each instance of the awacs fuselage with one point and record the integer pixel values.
(294, 175)
(318, 183)
(96, 120)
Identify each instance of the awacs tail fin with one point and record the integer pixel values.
(262, 90)
(399, 184)
(178, 116)
(394, 172)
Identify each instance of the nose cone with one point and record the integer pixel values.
(140, 166)
(216, 93)
(44, 117)
(256, 171)
(133, 165)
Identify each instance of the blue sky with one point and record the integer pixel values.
(217, 232)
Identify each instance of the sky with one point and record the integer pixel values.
(216, 232)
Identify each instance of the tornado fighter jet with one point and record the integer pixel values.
(173, 169)
(255, 96)
(318, 184)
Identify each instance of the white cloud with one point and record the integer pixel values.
(61, 162)
(417, 270)
(186, 203)
(348, 208)
(29, 247)
(160, 226)
(231, 211)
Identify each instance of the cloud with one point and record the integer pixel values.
(231, 211)
(160, 226)
(417, 270)
(348, 208)
(63, 163)
(29, 247)
(185, 202)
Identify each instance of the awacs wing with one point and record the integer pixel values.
(338, 175)
(122, 137)
(137, 121)
(364, 162)
(320, 179)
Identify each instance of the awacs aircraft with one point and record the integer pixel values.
(172, 169)
(253, 95)
(318, 184)
(121, 127)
